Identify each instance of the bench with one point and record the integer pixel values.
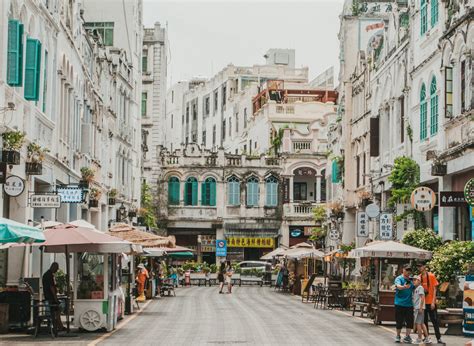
(362, 307)
(452, 319)
(251, 280)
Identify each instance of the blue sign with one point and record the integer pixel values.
(221, 248)
(468, 306)
(296, 233)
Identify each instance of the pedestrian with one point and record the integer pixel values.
(430, 284)
(220, 277)
(141, 278)
(404, 304)
(228, 278)
(50, 292)
(419, 312)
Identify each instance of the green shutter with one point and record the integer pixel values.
(212, 190)
(336, 173)
(194, 193)
(15, 53)
(32, 69)
(173, 192)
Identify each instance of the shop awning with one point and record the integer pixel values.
(389, 249)
(136, 236)
(185, 254)
(15, 232)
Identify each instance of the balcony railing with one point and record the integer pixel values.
(300, 209)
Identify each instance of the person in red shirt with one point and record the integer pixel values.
(429, 283)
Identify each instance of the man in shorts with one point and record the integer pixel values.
(404, 304)
(419, 310)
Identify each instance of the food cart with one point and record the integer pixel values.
(97, 261)
(384, 260)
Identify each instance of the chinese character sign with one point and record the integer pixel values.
(386, 226)
(362, 224)
(250, 242)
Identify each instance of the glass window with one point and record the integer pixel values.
(300, 191)
(233, 191)
(173, 191)
(145, 61)
(271, 192)
(190, 191)
(433, 108)
(252, 192)
(423, 114)
(144, 104)
(104, 29)
(91, 276)
(424, 16)
(208, 192)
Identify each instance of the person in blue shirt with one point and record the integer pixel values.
(404, 304)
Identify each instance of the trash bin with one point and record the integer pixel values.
(4, 318)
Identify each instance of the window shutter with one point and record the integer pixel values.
(336, 174)
(448, 98)
(15, 53)
(212, 190)
(374, 137)
(32, 69)
(194, 192)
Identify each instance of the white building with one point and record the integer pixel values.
(75, 96)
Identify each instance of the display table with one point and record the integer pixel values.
(384, 310)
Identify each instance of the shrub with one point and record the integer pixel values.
(452, 259)
(423, 238)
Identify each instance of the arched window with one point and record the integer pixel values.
(424, 16)
(233, 191)
(252, 192)
(191, 191)
(433, 108)
(271, 191)
(208, 192)
(434, 12)
(423, 115)
(173, 191)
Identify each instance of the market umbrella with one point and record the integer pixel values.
(303, 250)
(82, 223)
(49, 224)
(390, 249)
(275, 253)
(15, 232)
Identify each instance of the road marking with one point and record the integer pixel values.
(365, 320)
(120, 326)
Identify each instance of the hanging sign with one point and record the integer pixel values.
(386, 226)
(296, 233)
(251, 242)
(372, 210)
(286, 190)
(333, 234)
(423, 199)
(452, 199)
(221, 248)
(45, 201)
(14, 186)
(70, 194)
(362, 224)
(469, 192)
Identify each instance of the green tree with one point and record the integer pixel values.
(452, 259)
(423, 238)
(148, 209)
(320, 218)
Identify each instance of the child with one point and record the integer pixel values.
(419, 306)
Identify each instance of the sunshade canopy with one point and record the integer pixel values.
(303, 250)
(275, 253)
(15, 232)
(390, 249)
(185, 254)
(79, 239)
(136, 236)
(82, 223)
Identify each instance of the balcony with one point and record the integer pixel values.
(300, 209)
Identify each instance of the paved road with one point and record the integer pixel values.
(249, 316)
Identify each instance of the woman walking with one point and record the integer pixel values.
(220, 277)
(228, 278)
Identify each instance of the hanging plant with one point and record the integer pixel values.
(36, 153)
(12, 143)
(87, 174)
(95, 194)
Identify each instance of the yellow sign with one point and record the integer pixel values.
(250, 242)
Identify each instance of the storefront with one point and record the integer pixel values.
(201, 240)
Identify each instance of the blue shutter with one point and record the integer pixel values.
(15, 53)
(32, 69)
(336, 172)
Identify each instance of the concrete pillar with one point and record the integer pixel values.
(285, 234)
(446, 215)
(291, 189)
(318, 190)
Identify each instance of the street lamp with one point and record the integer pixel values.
(122, 212)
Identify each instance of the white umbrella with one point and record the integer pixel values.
(82, 223)
(303, 250)
(50, 224)
(390, 249)
(275, 253)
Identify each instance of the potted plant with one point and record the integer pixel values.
(12, 143)
(141, 216)
(94, 196)
(112, 195)
(87, 175)
(35, 158)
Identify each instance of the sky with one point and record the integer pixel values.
(205, 36)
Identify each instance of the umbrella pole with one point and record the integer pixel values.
(68, 289)
(40, 293)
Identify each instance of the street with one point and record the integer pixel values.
(250, 316)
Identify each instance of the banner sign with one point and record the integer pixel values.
(251, 242)
(452, 199)
(14, 186)
(71, 194)
(423, 198)
(386, 226)
(45, 201)
(469, 192)
(362, 225)
(468, 306)
(286, 190)
(221, 248)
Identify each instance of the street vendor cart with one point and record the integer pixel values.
(384, 260)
